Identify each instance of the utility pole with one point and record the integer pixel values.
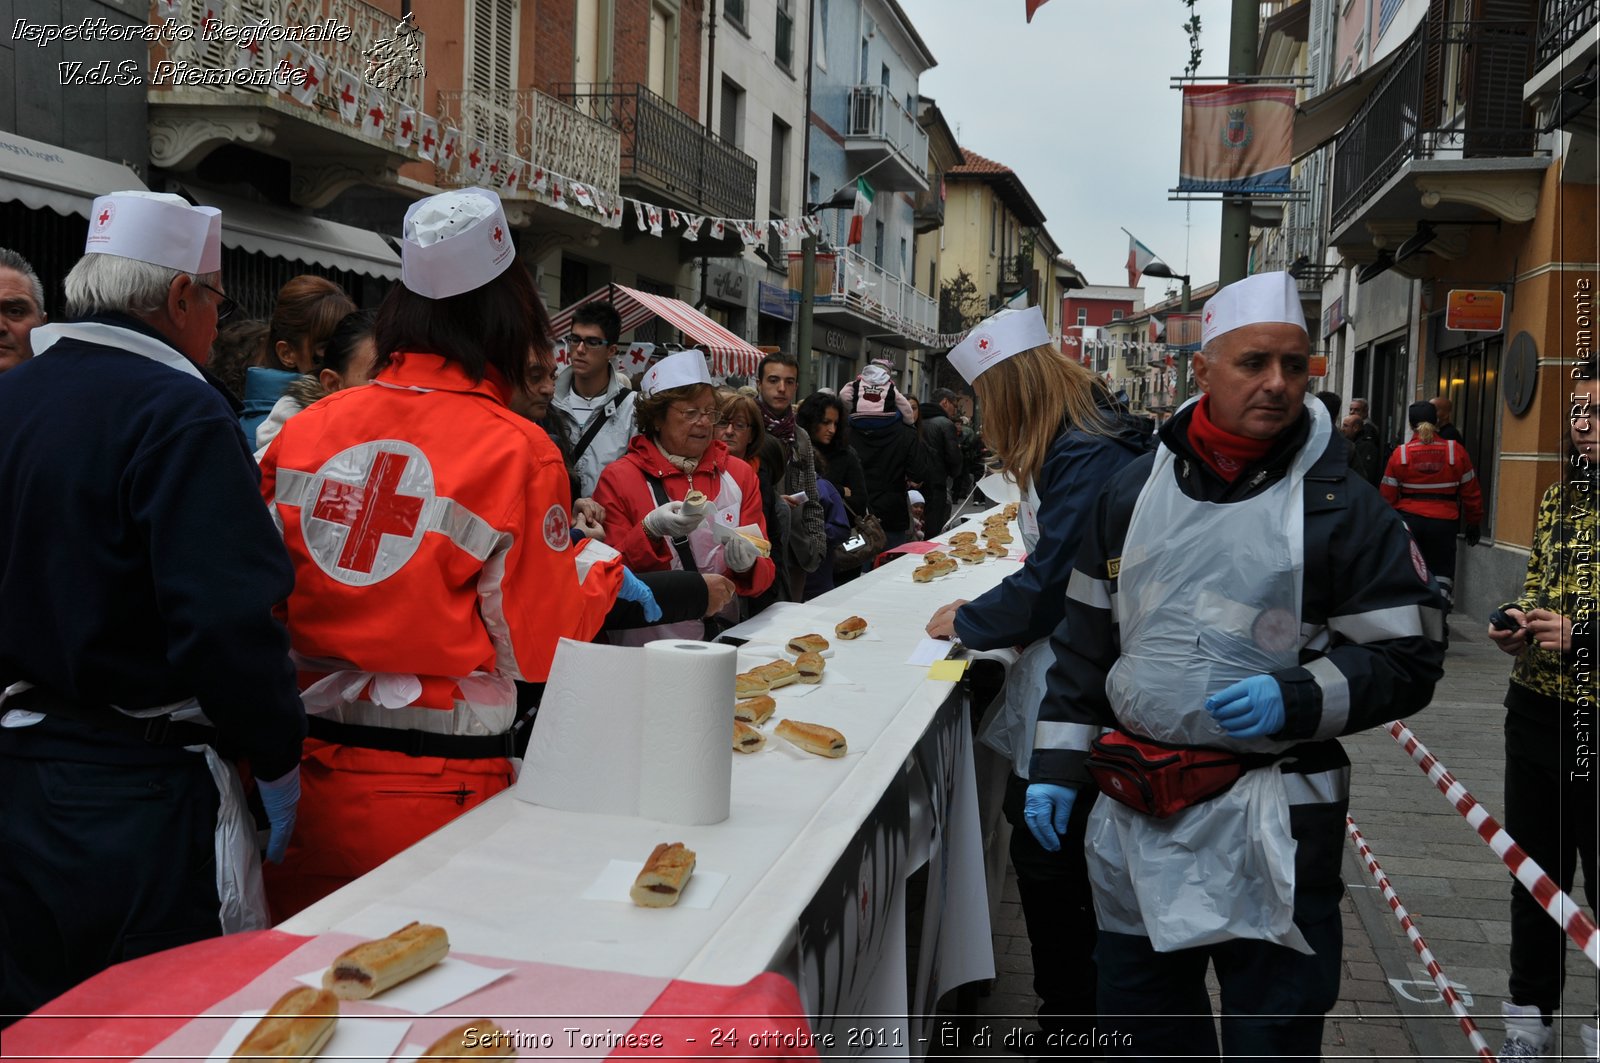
(1244, 36)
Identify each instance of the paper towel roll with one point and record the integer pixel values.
(583, 755)
(685, 772)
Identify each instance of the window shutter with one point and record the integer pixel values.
(1497, 65)
(1434, 36)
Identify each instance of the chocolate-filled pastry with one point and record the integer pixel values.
(661, 880)
(373, 966)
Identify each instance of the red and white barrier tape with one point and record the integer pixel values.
(1468, 1027)
(1561, 907)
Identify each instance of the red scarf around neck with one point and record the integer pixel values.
(1227, 454)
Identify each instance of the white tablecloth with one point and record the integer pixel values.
(507, 878)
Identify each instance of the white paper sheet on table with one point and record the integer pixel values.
(927, 651)
(773, 651)
(617, 878)
(355, 1038)
(438, 987)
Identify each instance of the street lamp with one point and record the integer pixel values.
(1160, 269)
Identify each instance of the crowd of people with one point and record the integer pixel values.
(310, 573)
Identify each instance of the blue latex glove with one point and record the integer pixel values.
(1251, 708)
(280, 797)
(634, 590)
(1046, 809)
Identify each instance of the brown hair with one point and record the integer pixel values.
(495, 324)
(740, 404)
(308, 309)
(238, 346)
(1028, 398)
(648, 413)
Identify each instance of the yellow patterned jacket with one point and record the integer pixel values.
(1564, 577)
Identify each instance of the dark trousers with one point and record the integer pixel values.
(935, 511)
(1552, 817)
(1058, 907)
(1274, 999)
(99, 863)
(1437, 540)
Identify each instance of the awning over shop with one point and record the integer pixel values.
(726, 353)
(41, 175)
(1321, 118)
(301, 237)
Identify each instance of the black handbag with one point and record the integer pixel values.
(866, 541)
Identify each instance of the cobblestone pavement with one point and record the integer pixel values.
(1455, 888)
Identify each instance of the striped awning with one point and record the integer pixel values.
(726, 353)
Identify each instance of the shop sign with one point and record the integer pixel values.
(775, 301)
(1467, 310)
(726, 285)
(835, 341)
(1333, 317)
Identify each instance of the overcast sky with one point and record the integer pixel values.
(1078, 103)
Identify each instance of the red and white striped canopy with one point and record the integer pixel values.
(726, 354)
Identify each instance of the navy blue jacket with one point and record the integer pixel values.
(138, 564)
(1028, 604)
(1370, 620)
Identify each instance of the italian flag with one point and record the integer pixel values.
(858, 217)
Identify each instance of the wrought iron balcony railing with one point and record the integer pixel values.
(875, 113)
(1562, 23)
(669, 151)
(219, 50)
(1455, 92)
(863, 286)
(540, 129)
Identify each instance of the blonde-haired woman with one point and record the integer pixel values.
(1060, 436)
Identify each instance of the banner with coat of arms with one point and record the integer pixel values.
(1237, 139)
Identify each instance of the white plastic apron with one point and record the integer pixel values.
(1208, 594)
(242, 902)
(1009, 730)
(707, 557)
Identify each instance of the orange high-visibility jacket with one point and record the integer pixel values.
(429, 529)
(1433, 480)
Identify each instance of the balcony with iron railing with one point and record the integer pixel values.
(548, 134)
(1563, 23)
(1444, 134)
(666, 154)
(883, 136)
(851, 285)
(193, 110)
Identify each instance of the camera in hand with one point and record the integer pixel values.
(1501, 622)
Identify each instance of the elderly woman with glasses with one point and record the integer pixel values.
(650, 516)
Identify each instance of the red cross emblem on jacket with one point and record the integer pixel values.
(366, 507)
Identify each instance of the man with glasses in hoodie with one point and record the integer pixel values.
(593, 403)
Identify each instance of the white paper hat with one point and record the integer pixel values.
(158, 228)
(1007, 333)
(675, 371)
(1259, 299)
(454, 242)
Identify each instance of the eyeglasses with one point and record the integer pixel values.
(594, 343)
(225, 306)
(738, 426)
(711, 415)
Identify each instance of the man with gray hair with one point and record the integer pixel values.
(139, 654)
(21, 308)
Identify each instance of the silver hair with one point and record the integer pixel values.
(101, 284)
(9, 259)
